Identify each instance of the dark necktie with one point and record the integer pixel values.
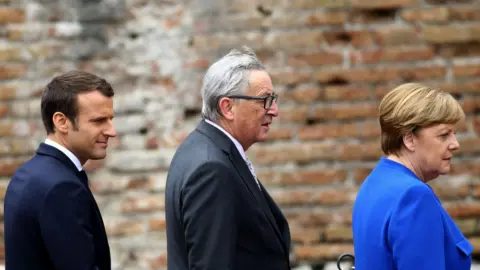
(84, 178)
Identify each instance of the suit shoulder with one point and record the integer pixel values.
(42, 172)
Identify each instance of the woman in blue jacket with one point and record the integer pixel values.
(398, 222)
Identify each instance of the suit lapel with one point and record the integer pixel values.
(248, 179)
(224, 143)
(280, 219)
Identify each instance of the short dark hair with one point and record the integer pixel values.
(60, 95)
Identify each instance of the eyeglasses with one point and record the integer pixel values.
(267, 100)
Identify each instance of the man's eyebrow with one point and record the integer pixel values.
(98, 118)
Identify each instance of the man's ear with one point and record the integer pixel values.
(226, 107)
(409, 141)
(60, 122)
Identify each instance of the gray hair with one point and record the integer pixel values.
(228, 76)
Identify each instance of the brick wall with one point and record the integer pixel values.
(331, 61)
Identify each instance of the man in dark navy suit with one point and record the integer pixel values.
(51, 218)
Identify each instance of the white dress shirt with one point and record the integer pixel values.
(239, 148)
(67, 152)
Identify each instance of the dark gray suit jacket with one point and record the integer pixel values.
(217, 217)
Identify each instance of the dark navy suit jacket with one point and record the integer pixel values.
(51, 218)
(399, 224)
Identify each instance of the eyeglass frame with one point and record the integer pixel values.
(272, 97)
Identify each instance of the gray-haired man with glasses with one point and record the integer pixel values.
(219, 215)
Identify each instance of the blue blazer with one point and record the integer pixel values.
(51, 218)
(398, 223)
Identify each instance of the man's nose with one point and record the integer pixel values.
(111, 131)
(274, 110)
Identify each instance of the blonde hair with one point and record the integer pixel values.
(411, 106)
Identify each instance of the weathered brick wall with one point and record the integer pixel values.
(331, 61)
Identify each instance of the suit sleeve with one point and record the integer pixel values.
(416, 233)
(65, 227)
(209, 219)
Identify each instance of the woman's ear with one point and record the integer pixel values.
(225, 105)
(409, 141)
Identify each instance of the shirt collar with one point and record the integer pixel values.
(237, 144)
(67, 152)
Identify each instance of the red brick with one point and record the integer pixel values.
(3, 190)
(475, 241)
(359, 174)
(330, 251)
(3, 110)
(384, 74)
(476, 125)
(157, 224)
(6, 128)
(468, 226)
(468, 49)
(339, 130)
(306, 94)
(447, 34)
(399, 35)
(345, 111)
(309, 177)
(7, 92)
(315, 59)
(313, 4)
(469, 146)
(293, 114)
(198, 63)
(8, 72)
(11, 15)
(466, 167)
(381, 4)
(331, 196)
(124, 228)
(466, 70)
(243, 21)
(433, 14)
(281, 133)
(464, 13)
(292, 152)
(390, 54)
(315, 217)
(9, 166)
(470, 105)
(143, 204)
(305, 236)
(158, 262)
(326, 18)
(290, 77)
(356, 38)
(465, 87)
(446, 192)
(338, 233)
(370, 150)
(294, 39)
(463, 209)
(348, 92)
(15, 33)
(10, 54)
